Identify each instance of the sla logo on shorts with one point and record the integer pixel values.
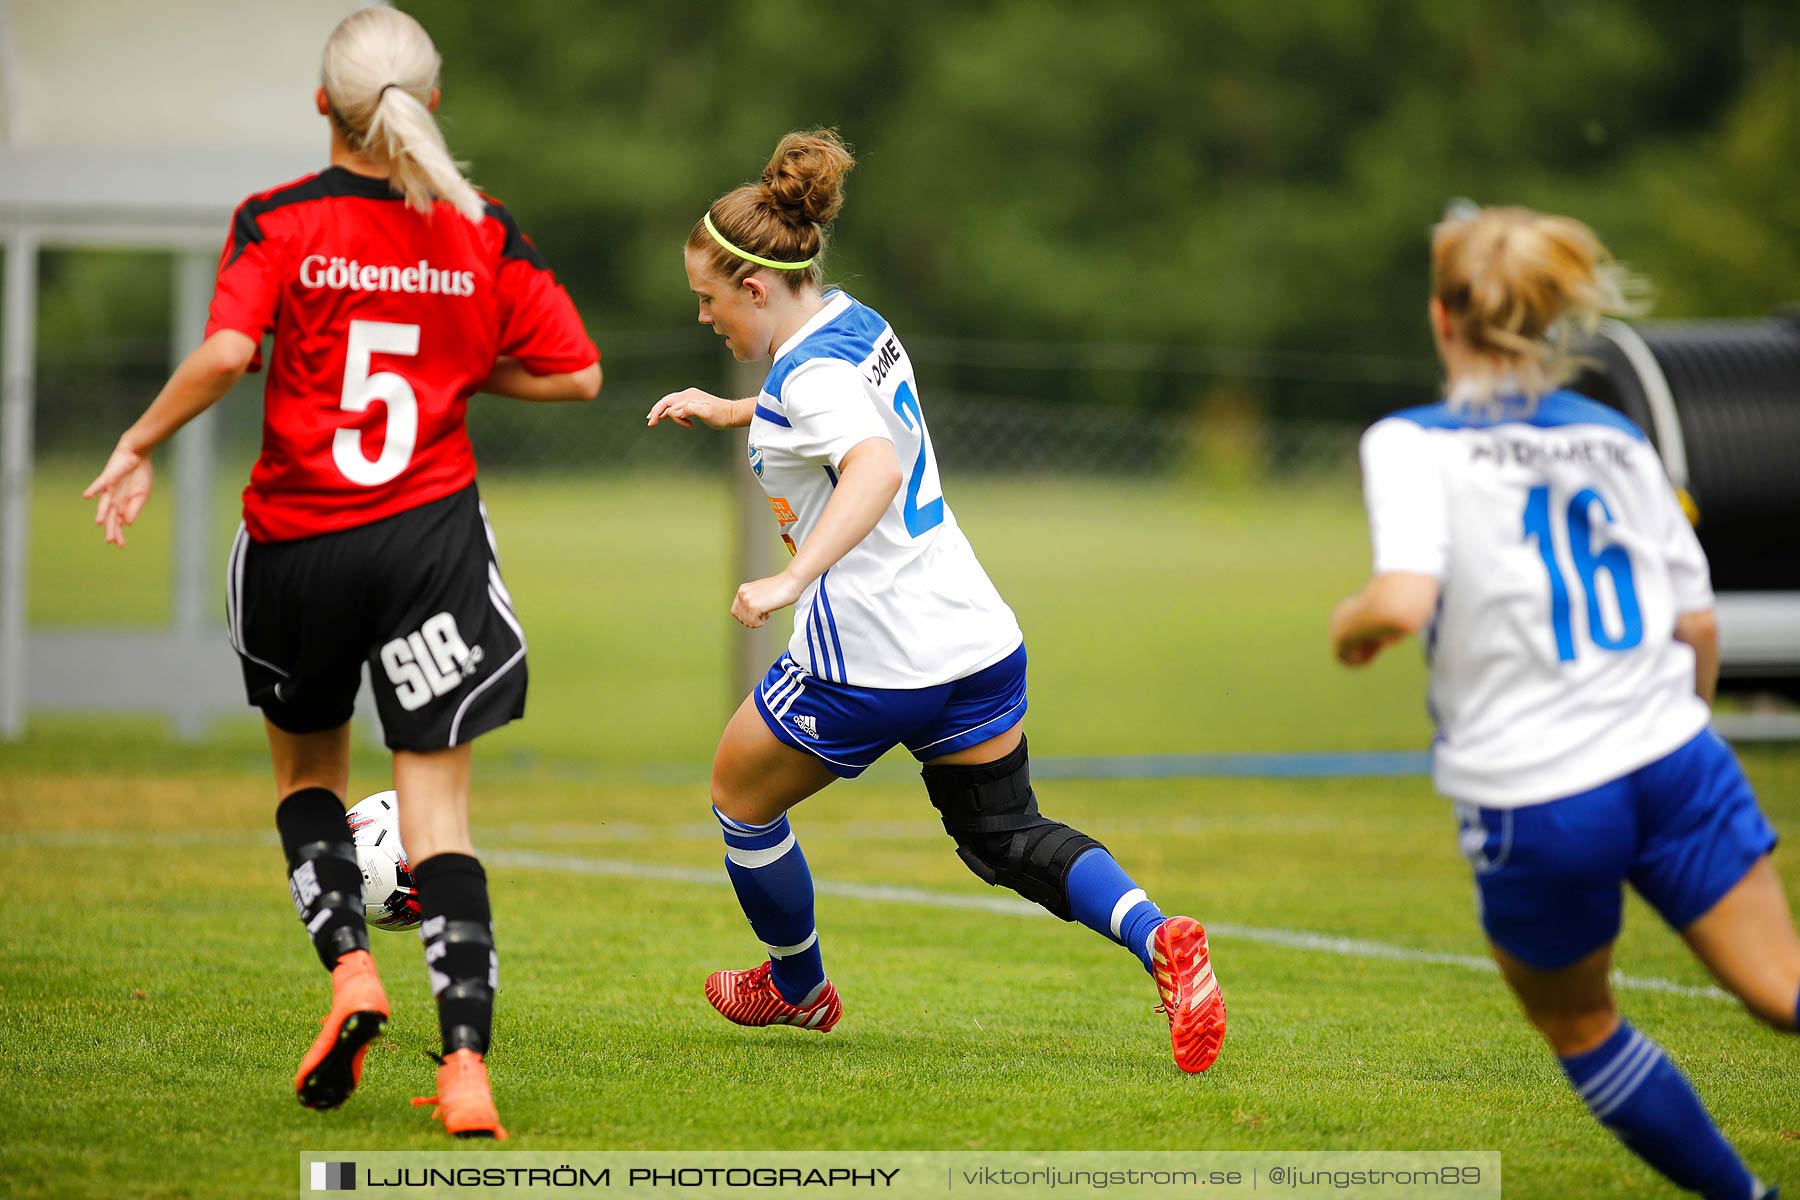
(430, 662)
(756, 463)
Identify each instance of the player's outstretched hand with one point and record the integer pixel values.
(122, 486)
(760, 597)
(690, 405)
(1351, 649)
(1360, 652)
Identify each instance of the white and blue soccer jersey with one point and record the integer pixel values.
(1564, 559)
(909, 606)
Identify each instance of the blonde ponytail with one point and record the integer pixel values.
(379, 71)
(1520, 288)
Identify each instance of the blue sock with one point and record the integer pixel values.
(1635, 1091)
(776, 892)
(1103, 897)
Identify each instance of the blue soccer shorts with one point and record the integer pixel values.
(848, 727)
(1549, 877)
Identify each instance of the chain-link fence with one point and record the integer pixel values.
(86, 397)
(995, 408)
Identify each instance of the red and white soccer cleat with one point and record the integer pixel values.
(359, 1012)
(750, 998)
(464, 1102)
(1190, 993)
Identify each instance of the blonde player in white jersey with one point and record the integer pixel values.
(899, 637)
(1568, 614)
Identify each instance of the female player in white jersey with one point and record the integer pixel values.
(1534, 535)
(899, 637)
(394, 291)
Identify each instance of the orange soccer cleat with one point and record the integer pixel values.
(1190, 993)
(465, 1103)
(750, 998)
(359, 1012)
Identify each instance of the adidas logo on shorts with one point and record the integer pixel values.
(807, 724)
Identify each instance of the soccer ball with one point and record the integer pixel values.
(390, 901)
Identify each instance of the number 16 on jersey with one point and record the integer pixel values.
(1614, 562)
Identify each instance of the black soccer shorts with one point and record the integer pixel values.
(417, 595)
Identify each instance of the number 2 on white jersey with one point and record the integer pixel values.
(362, 389)
(919, 518)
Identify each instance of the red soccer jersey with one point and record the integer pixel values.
(386, 321)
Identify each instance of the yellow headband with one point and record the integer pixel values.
(758, 259)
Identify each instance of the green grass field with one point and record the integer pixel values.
(1159, 619)
(158, 990)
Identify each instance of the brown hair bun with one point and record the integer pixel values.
(804, 180)
(783, 217)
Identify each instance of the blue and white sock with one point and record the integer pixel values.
(775, 890)
(1634, 1090)
(1103, 897)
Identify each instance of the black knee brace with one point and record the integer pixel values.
(991, 813)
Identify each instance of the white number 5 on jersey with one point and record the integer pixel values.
(362, 389)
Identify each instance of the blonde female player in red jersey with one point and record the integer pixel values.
(1534, 539)
(394, 292)
(899, 637)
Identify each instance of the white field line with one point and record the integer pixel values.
(1293, 939)
(1001, 905)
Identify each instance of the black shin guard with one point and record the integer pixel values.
(459, 948)
(991, 812)
(323, 874)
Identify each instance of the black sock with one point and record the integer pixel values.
(323, 874)
(459, 948)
